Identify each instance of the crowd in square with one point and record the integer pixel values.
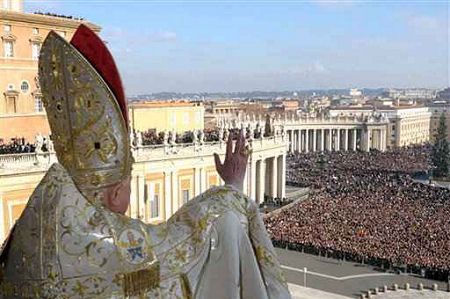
(366, 206)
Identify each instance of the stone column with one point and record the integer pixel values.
(246, 178)
(306, 140)
(202, 180)
(253, 179)
(329, 139)
(338, 140)
(291, 141)
(346, 140)
(167, 194)
(261, 181)
(175, 198)
(322, 140)
(354, 135)
(366, 139)
(398, 132)
(140, 199)
(196, 181)
(381, 141)
(314, 145)
(274, 177)
(282, 176)
(294, 141)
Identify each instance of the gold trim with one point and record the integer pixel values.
(140, 282)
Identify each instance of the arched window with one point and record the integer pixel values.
(24, 87)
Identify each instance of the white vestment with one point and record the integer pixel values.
(63, 246)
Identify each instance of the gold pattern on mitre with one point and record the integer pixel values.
(89, 132)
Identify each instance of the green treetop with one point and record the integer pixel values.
(440, 152)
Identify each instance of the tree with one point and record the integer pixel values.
(440, 152)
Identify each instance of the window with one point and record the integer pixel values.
(38, 107)
(7, 28)
(185, 194)
(8, 48)
(154, 205)
(35, 30)
(24, 87)
(153, 194)
(35, 49)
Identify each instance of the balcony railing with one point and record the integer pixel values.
(41, 161)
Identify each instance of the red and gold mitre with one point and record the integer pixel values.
(86, 109)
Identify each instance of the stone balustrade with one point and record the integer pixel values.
(160, 152)
(18, 161)
(38, 161)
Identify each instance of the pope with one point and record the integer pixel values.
(73, 239)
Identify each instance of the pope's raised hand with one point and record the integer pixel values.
(233, 168)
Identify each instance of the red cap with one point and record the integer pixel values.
(95, 51)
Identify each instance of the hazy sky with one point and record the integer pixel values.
(192, 46)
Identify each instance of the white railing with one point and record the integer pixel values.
(337, 120)
(18, 160)
(36, 161)
(162, 152)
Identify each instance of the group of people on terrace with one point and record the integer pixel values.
(16, 146)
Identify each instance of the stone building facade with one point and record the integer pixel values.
(21, 35)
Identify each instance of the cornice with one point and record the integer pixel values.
(44, 20)
(9, 36)
(10, 93)
(36, 39)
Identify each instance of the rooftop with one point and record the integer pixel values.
(58, 16)
(48, 19)
(163, 104)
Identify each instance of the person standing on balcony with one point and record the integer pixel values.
(73, 239)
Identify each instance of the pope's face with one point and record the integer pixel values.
(117, 197)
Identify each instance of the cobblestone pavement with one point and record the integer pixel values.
(345, 278)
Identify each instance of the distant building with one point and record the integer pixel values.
(407, 125)
(21, 35)
(284, 106)
(411, 93)
(383, 102)
(161, 116)
(354, 92)
(220, 109)
(444, 94)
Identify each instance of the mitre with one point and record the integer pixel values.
(86, 110)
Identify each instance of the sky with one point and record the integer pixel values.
(225, 46)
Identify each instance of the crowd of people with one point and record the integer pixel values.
(367, 207)
(16, 146)
(152, 137)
